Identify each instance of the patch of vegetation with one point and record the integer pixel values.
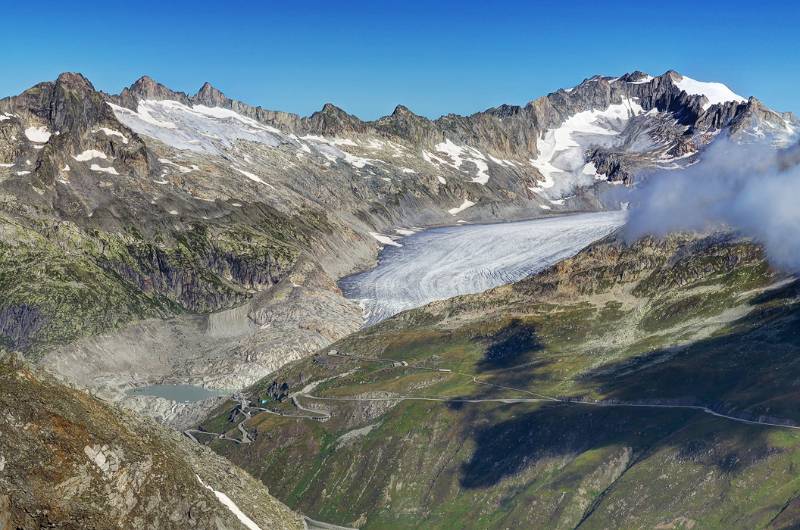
(460, 464)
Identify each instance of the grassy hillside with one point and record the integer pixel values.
(59, 282)
(602, 377)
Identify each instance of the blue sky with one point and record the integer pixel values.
(367, 57)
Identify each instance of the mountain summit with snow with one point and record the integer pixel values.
(715, 93)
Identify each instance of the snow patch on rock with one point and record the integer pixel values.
(561, 150)
(38, 135)
(714, 92)
(230, 505)
(458, 209)
(459, 154)
(386, 240)
(111, 132)
(109, 170)
(89, 154)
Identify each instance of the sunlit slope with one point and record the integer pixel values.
(68, 460)
(625, 387)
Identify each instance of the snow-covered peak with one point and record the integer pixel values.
(561, 159)
(714, 92)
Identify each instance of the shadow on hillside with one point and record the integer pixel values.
(751, 371)
(510, 359)
(515, 344)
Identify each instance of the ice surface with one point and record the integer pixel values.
(197, 128)
(214, 130)
(714, 92)
(445, 262)
(561, 159)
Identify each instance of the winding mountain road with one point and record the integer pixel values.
(538, 398)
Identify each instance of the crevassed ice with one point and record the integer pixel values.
(445, 262)
(561, 150)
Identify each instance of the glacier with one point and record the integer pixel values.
(444, 262)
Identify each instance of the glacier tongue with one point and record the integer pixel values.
(445, 262)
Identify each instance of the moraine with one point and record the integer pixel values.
(444, 262)
(177, 392)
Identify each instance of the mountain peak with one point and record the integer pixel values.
(635, 76)
(333, 120)
(330, 108)
(211, 96)
(74, 80)
(148, 88)
(143, 83)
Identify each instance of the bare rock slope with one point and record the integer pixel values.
(68, 460)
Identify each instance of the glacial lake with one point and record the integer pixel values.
(449, 261)
(180, 393)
